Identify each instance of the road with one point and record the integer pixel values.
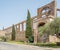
(9, 46)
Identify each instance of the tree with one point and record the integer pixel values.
(55, 26)
(44, 29)
(51, 28)
(13, 32)
(29, 27)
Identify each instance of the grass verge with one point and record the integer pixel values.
(16, 42)
(53, 45)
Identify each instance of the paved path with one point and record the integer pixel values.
(9, 46)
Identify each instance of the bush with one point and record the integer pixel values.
(4, 39)
(58, 43)
(31, 39)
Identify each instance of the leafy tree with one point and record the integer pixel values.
(13, 32)
(44, 29)
(51, 28)
(44, 32)
(29, 27)
(55, 26)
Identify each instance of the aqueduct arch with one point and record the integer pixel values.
(41, 24)
(44, 15)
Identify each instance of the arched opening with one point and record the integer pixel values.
(46, 11)
(40, 26)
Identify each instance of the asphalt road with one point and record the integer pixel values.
(9, 46)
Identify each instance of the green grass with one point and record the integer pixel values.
(16, 42)
(0, 39)
(53, 45)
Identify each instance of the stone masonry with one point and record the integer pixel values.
(44, 15)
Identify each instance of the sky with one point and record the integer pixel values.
(15, 11)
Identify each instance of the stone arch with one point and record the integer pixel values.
(41, 24)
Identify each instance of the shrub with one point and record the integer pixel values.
(58, 43)
(31, 39)
(4, 39)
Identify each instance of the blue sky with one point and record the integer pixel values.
(15, 11)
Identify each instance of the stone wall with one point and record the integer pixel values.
(53, 39)
(20, 36)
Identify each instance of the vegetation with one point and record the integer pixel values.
(55, 26)
(51, 28)
(44, 29)
(29, 28)
(16, 42)
(3, 38)
(13, 33)
(54, 45)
